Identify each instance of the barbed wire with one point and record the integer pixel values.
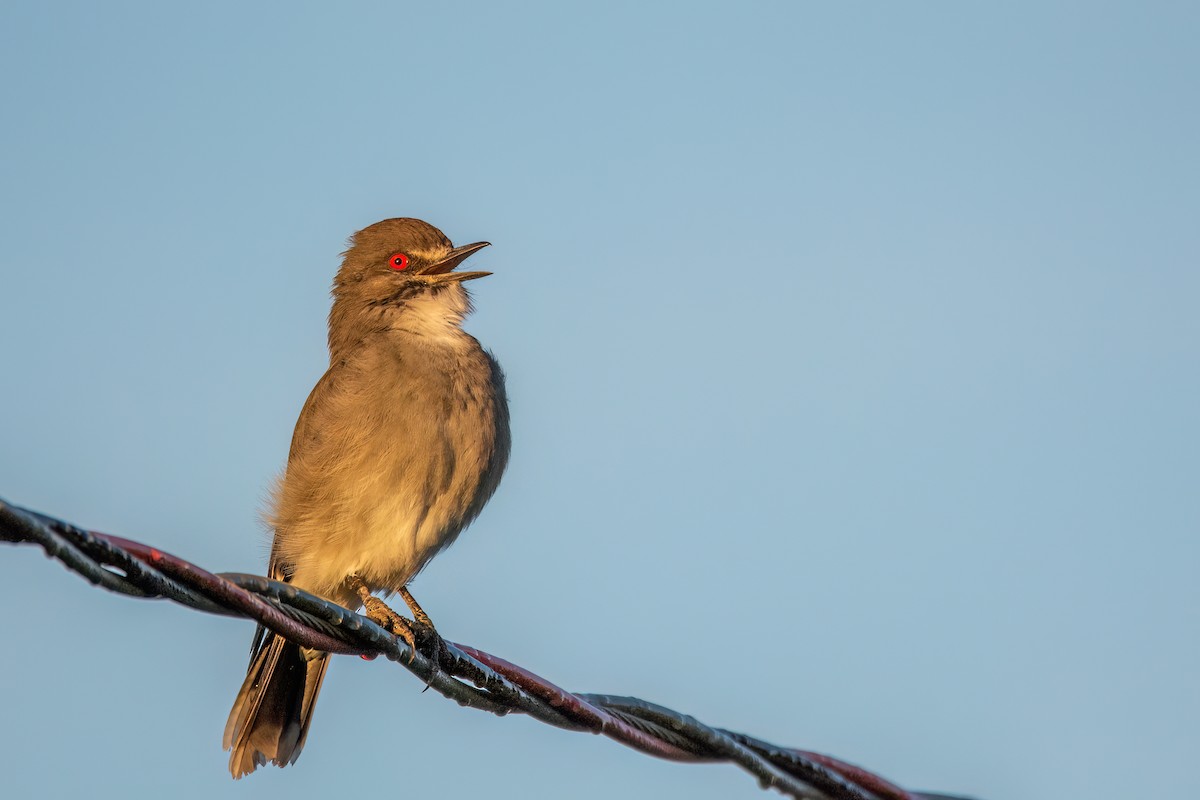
(467, 675)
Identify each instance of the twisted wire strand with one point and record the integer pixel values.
(467, 675)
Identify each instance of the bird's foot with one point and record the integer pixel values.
(432, 647)
(382, 615)
(432, 643)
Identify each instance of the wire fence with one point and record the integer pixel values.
(469, 676)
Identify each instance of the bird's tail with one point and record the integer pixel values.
(270, 717)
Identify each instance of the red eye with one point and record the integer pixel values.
(398, 261)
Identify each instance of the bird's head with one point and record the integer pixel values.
(404, 252)
(401, 266)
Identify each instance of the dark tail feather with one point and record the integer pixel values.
(270, 717)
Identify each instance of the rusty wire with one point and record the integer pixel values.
(464, 674)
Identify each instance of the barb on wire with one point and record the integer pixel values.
(464, 674)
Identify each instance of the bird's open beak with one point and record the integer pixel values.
(442, 271)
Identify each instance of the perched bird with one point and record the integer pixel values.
(397, 449)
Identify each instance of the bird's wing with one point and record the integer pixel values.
(306, 426)
(306, 429)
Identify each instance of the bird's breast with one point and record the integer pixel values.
(405, 442)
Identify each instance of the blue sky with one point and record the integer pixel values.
(853, 354)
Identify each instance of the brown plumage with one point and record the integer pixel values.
(399, 446)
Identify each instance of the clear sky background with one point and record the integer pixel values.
(853, 351)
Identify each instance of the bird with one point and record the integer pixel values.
(397, 449)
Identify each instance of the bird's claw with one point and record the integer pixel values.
(432, 646)
(382, 615)
(419, 634)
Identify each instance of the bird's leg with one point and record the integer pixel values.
(418, 613)
(380, 613)
(429, 635)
